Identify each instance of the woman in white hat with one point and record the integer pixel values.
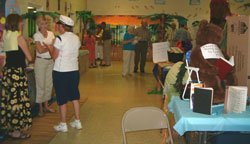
(65, 75)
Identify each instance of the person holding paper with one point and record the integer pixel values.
(141, 48)
(128, 51)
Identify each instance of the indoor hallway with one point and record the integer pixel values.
(109, 96)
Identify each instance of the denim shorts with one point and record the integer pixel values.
(66, 86)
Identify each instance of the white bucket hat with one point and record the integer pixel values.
(65, 20)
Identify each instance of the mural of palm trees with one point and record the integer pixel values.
(86, 17)
(165, 20)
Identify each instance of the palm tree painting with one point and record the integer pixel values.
(165, 20)
(86, 17)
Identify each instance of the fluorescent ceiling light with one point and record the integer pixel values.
(29, 7)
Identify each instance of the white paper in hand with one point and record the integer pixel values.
(211, 51)
(160, 51)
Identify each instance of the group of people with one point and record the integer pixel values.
(182, 34)
(56, 63)
(136, 43)
(99, 46)
(135, 47)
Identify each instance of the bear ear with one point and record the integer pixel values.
(203, 23)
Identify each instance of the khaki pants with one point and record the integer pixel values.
(128, 61)
(98, 50)
(43, 74)
(107, 51)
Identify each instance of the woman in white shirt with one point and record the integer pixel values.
(66, 77)
(43, 65)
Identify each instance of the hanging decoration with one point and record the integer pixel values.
(11, 6)
(194, 2)
(239, 0)
(160, 2)
(2, 18)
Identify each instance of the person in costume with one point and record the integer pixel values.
(43, 65)
(65, 75)
(15, 102)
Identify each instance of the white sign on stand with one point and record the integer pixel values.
(160, 51)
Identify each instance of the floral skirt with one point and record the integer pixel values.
(15, 104)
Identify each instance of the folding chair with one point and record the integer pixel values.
(145, 118)
(190, 70)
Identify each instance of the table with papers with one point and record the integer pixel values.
(187, 120)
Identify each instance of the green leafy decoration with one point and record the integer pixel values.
(178, 84)
(86, 16)
(195, 23)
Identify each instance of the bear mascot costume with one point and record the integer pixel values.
(209, 33)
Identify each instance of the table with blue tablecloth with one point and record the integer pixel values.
(187, 120)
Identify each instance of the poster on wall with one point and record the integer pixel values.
(2, 19)
(65, 8)
(2, 22)
(11, 6)
(59, 4)
(239, 0)
(160, 2)
(47, 5)
(194, 2)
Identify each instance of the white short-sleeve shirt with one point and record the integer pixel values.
(38, 37)
(68, 45)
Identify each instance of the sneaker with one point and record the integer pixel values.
(61, 127)
(76, 124)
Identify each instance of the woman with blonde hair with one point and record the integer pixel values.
(15, 103)
(43, 65)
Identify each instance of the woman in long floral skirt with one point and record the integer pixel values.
(15, 103)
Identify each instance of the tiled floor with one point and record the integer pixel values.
(109, 96)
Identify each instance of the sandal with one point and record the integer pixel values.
(49, 111)
(21, 136)
(40, 114)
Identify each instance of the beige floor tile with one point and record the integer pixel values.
(109, 96)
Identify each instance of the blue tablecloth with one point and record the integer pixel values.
(187, 120)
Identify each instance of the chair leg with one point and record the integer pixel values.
(165, 104)
(164, 136)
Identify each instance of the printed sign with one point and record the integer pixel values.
(211, 51)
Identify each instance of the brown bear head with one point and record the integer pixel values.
(208, 33)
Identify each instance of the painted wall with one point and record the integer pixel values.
(67, 7)
(146, 7)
